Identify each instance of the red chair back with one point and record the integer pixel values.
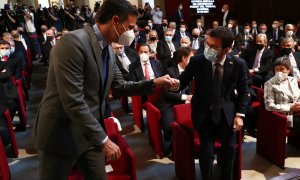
(110, 126)
(154, 128)
(11, 133)
(137, 111)
(182, 114)
(21, 102)
(4, 168)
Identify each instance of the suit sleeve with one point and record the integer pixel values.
(68, 65)
(162, 54)
(188, 74)
(120, 87)
(242, 89)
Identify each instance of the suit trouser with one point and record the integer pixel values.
(91, 163)
(208, 133)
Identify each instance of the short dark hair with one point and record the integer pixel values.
(4, 42)
(110, 8)
(224, 34)
(283, 61)
(183, 52)
(144, 44)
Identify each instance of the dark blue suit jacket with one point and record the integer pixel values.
(234, 77)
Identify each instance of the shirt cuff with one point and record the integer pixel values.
(104, 140)
(240, 114)
(183, 97)
(256, 69)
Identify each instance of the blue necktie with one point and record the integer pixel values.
(105, 58)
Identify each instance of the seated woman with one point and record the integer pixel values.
(281, 93)
(168, 99)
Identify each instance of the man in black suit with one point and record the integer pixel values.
(166, 48)
(49, 44)
(182, 32)
(161, 29)
(138, 38)
(244, 39)
(227, 15)
(168, 99)
(69, 128)
(216, 110)
(144, 68)
(197, 41)
(275, 35)
(259, 60)
(178, 15)
(124, 57)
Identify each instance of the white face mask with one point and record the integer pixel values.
(247, 31)
(180, 7)
(182, 30)
(150, 24)
(198, 24)
(223, 10)
(168, 38)
(263, 31)
(229, 26)
(144, 57)
(289, 33)
(254, 25)
(274, 26)
(126, 38)
(210, 54)
(281, 76)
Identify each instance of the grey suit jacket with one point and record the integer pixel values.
(70, 113)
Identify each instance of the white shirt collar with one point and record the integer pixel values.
(180, 69)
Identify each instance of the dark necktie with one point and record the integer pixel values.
(217, 80)
(105, 58)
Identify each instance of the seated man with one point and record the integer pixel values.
(166, 48)
(124, 57)
(281, 93)
(197, 41)
(168, 99)
(259, 60)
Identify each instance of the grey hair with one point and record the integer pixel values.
(173, 24)
(261, 35)
(185, 38)
(287, 40)
(286, 26)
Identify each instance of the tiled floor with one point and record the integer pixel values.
(148, 167)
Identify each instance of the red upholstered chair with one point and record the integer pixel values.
(11, 133)
(21, 103)
(4, 168)
(137, 111)
(186, 145)
(125, 167)
(154, 128)
(272, 131)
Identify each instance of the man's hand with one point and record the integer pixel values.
(295, 107)
(237, 123)
(189, 97)
(111, 150)
(165, 81)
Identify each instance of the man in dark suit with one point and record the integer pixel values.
(216, 110)
(178, 15)
(182, 32)
(259, 61)
(124, 57)
(69, 127)
(48, 44)
(275, 35)
(244, 39)
(168, 99)
(197, 41)
(166, 48)
(227, 15)
(144, 68)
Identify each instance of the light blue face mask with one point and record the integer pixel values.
(5, 52)
(210, 54)
(13, 49)
(168, 38)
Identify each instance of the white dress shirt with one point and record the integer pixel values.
(125, 61)
(195, 44)
(258, 58)
(224, 18)
(172, 48)
(151, 72)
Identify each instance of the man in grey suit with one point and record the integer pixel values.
(69, 125)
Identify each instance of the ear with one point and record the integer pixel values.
(115, 20)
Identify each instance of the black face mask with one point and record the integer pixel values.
(152, 38)
(165, 24)
(44, 30)
(195, 36)
(49, 38)
(286, 51)
(147, 31)
(260, 46)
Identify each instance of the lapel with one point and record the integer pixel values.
(296, 59)
(110, 70)
(176, 72)
(97, 51)
(154, 68)
(228, 66)
(139, 71)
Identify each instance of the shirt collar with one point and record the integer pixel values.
(101, 39)
(221, 62)
(180, 69)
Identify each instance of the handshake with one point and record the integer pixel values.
(167, 82)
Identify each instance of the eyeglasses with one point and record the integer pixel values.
(214, 48)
